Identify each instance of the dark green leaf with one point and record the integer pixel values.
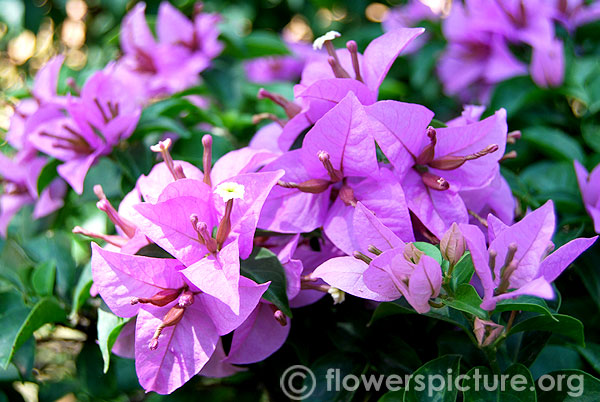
(263, 43)
(393, 396)
(43, 278)
(519, 385)
(576, 385)
(591, 353)
(418, 386)
(20, 323)
(524, 303)
(558, 324)
(153, 250)
(400, 306)
(263, 266)
(47, 174)
(82, 289)
(56, 247)
(554, 143)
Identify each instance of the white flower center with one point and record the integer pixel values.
(320, 41)
(230, 190)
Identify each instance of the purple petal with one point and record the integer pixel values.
(402, 131)
(379, 276)
(246, 211)
(120, 277)
(182, 350)
(223, 316)
(346, 274)
(381, 53)
(258, 337)
(479, 254)
(345, 133)
(172, 26)
(532, 235)
(553, 265)
(218, 276)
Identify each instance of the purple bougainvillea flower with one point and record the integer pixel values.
(517, 261)
(410, 15)
(393, 274)
(177, 326)
(184, 48)
(548, 64)
(183, 218)
(495, 198)
(96, 121)
(346, 273)
(337, 155)
(264, 70)
(574, 13)
(434, 165)
(20, 175)
(478, 56)
(589, 184)
(326, 79)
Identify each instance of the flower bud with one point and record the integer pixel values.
(313, 186)
(412, 253)
(160, 299)
(347, 196)
(486, 332)
(434, 182)
(453, 244)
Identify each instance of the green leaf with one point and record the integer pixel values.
(20, 323)
(558, 324)
(263, 43)
(263, 266)
(463, 271)
(400, 306)
(512, 95)
(325, 386)
(466, 299)
(161, 124)
(524, 303)
(430, 250)
(109, 328)
(591, 353)
(554, 143)
(82, 289)
(576, 385)
(393, 396)
(435, 123)
(43, 278)
(519, 385)
(153, 250)
(56, 247)
(591, 135)
(418, 389)
(47, 174)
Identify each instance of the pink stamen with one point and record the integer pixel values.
(291, 109)
(353, 49)
(334, 174)
(207, 158)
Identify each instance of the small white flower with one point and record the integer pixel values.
(230, 191)
(337, 295)
(320, 41)
(161, 146)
